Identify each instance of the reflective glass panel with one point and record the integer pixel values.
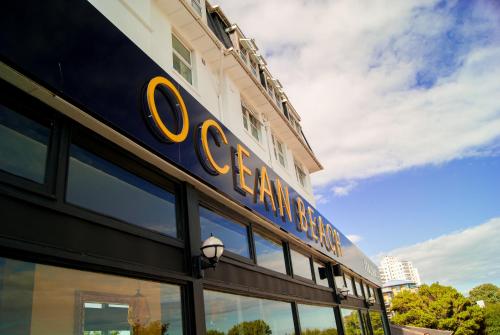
(301, 264)
(41, 299)
(230, 314)
(351, 321)
(348, 280)
(232, 234)
(359, 291)
(101, 186)
(269, 254)
(317, 320)
(377, 323)
(23, 145)
(319, 281)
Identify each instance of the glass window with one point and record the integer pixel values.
(301, 176)
(182, 59)
(365, 290)
(251, 123)
(232, 234)
(348, 280)
(196, 4)
(359, 291)
(269, 253)
(101, 186)
(339, 281)
(42, 299)
(235, 314)
(319, 281)
(243, 53)
(317, 320)
(279, 151)
(23, 145)
(351, 321)
(301, 264)
(377, 323)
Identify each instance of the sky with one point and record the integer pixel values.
(400, 100)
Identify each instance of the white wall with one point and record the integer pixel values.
(150, 29)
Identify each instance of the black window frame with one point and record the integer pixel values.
(31, 108)
(225, 212)
(104, 149)
(266, 235)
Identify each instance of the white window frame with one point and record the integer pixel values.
(300, 171)
(178, 55)
(247, 116)
(197, 6)
(279, 153)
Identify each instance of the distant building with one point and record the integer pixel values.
(392, 288)
(391, 268)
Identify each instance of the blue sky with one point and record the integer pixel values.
(400, 101)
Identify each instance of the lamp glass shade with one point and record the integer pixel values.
(212, 248)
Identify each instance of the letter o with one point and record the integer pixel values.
(153, 83)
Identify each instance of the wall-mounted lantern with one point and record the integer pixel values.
(211, 251)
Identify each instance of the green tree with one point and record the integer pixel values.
(439, 307)
(489, 293)
(214, 332)
(256, 327)
(492, 319)
(316, 331)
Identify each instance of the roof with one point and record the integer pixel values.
(407, 330)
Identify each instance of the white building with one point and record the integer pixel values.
(391, 268)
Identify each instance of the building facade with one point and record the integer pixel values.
(134, 134)
(392, 268)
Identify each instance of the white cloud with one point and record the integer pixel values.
(349, 68)
(462, 259)
(354, 238)
(344, 189)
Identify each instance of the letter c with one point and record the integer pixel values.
(204, 142)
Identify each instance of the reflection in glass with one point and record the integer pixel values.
(301, 264)
(348, 281)
(359, 293)
(316, 320)
(232, 234)
(351, 321)
(230, 314)
(41, 299)
(23, 145)
(106, 188)
(269, 254)
(319, 281)
(377, 323)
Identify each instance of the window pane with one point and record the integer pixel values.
(232, 234)
(235, 314)
(41, 299)
(377, 323)
(106, 188)
(348, 280)
(317, 320)
(319, 281)
(183, 69)
(359, 293)
(351, 321)
(301, 264)
(181, 49)
(269, 254)
(23, 145)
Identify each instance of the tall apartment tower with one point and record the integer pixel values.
(392, 268)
